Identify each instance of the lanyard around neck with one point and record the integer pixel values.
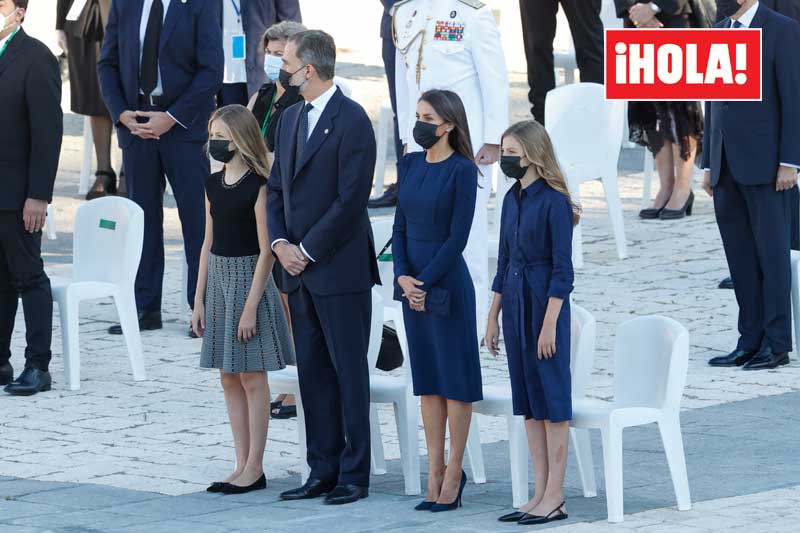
(8, 41)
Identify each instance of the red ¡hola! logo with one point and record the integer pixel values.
(683, 64)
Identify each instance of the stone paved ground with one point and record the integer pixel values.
(116, 443)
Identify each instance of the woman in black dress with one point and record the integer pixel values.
(267, 105)
(81, 40)
(672, 131)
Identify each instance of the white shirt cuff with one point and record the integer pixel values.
(276, 241)
(790, 165)
(707, 170)
(177, 121)
(302, 249)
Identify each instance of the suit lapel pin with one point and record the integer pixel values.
(326, 131)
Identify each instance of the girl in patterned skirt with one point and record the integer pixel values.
(237, 308)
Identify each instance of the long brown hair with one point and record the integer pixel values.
(449, 106)
(245, 135)
(539, 151)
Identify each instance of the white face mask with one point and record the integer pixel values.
(9, 20)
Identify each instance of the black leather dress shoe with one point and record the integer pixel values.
(31, 381)
(6, 373)
(726, 283)
(147, 321)
(313, 488)
(345, 494)
(735, 358)
(766, 359)
(387, 199)
(516, 516)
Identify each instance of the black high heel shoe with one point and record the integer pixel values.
(230, 488)
(424, 505)
(441, 507)
(675, 214)
(651, 213)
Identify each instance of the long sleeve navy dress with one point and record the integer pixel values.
(534, 263)
(436, 202)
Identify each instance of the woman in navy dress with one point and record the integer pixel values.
(533, 282)
(436, 202)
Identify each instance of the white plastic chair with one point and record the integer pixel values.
(385, 127)
(50, 223)
(107, 246)
(497, 402)
(586, 131)
(651, 357)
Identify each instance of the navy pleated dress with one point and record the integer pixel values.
(535, 263)
(436, 202)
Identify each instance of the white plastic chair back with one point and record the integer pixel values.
(584, 331)
(107, 240)
(381, 233)
(375, 330)
(345, 84)
(586, 130)
(651, 358)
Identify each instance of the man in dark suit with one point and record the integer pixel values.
(791, 9)
(751, 153)
(321, 234)
(161, 103)
(389, 198)
(30, 144)
(538, 32)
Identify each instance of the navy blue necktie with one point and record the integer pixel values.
(736, 24)
(302, 132)
(148, 71)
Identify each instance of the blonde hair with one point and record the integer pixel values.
(245, 135)
(538, 149)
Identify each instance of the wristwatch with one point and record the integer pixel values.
(655, 8)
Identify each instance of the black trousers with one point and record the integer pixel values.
(538, 32)
(754, 223)
(388, 65)
(331, 335)
(232, 93)
(22, 275)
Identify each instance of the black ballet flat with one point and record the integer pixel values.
(230, 488)
(556, 514)
(216, 486)
(424, 505)
(516, 516)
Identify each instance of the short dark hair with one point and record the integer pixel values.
(21, 4)
(315, 47)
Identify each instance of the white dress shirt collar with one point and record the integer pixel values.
(318, 105)
(746, 19)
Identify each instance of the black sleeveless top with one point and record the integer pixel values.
(261, 107)
(232, 210)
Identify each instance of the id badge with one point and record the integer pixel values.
(237, 47)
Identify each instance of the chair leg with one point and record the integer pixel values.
(377, 460)
(518, 454)
(88, 156)
(670, 429)
(50, 223)
(384, 129)
(647, 179)
(577, 233)
(128, 319)
(796, 304)
(582, 444)
(475, 453)
(68, 307)
(405, 415)
(305, 470)
(611, 189)
(612, 466)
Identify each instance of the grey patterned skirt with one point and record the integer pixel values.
(229, 282)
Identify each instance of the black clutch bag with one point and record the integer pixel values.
(437, 301)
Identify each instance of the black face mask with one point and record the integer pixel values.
(509, 164)
(285, 77)
(425, 134)
(218, 149)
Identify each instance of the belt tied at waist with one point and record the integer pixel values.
(522, 270)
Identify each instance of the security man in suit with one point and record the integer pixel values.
(30, 144)
(455, 45)
(791, 9)
(160, 66)
(751, 153)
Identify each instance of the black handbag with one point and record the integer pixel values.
(704, 13)
(390, 356)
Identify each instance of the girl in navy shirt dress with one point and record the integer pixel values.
(532, 286)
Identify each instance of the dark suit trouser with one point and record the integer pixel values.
(538, 32)
(186, 166)
(331, 335)
(388, 65)
(753, 221)
(22, 275)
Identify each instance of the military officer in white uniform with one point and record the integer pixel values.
(455, 45)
